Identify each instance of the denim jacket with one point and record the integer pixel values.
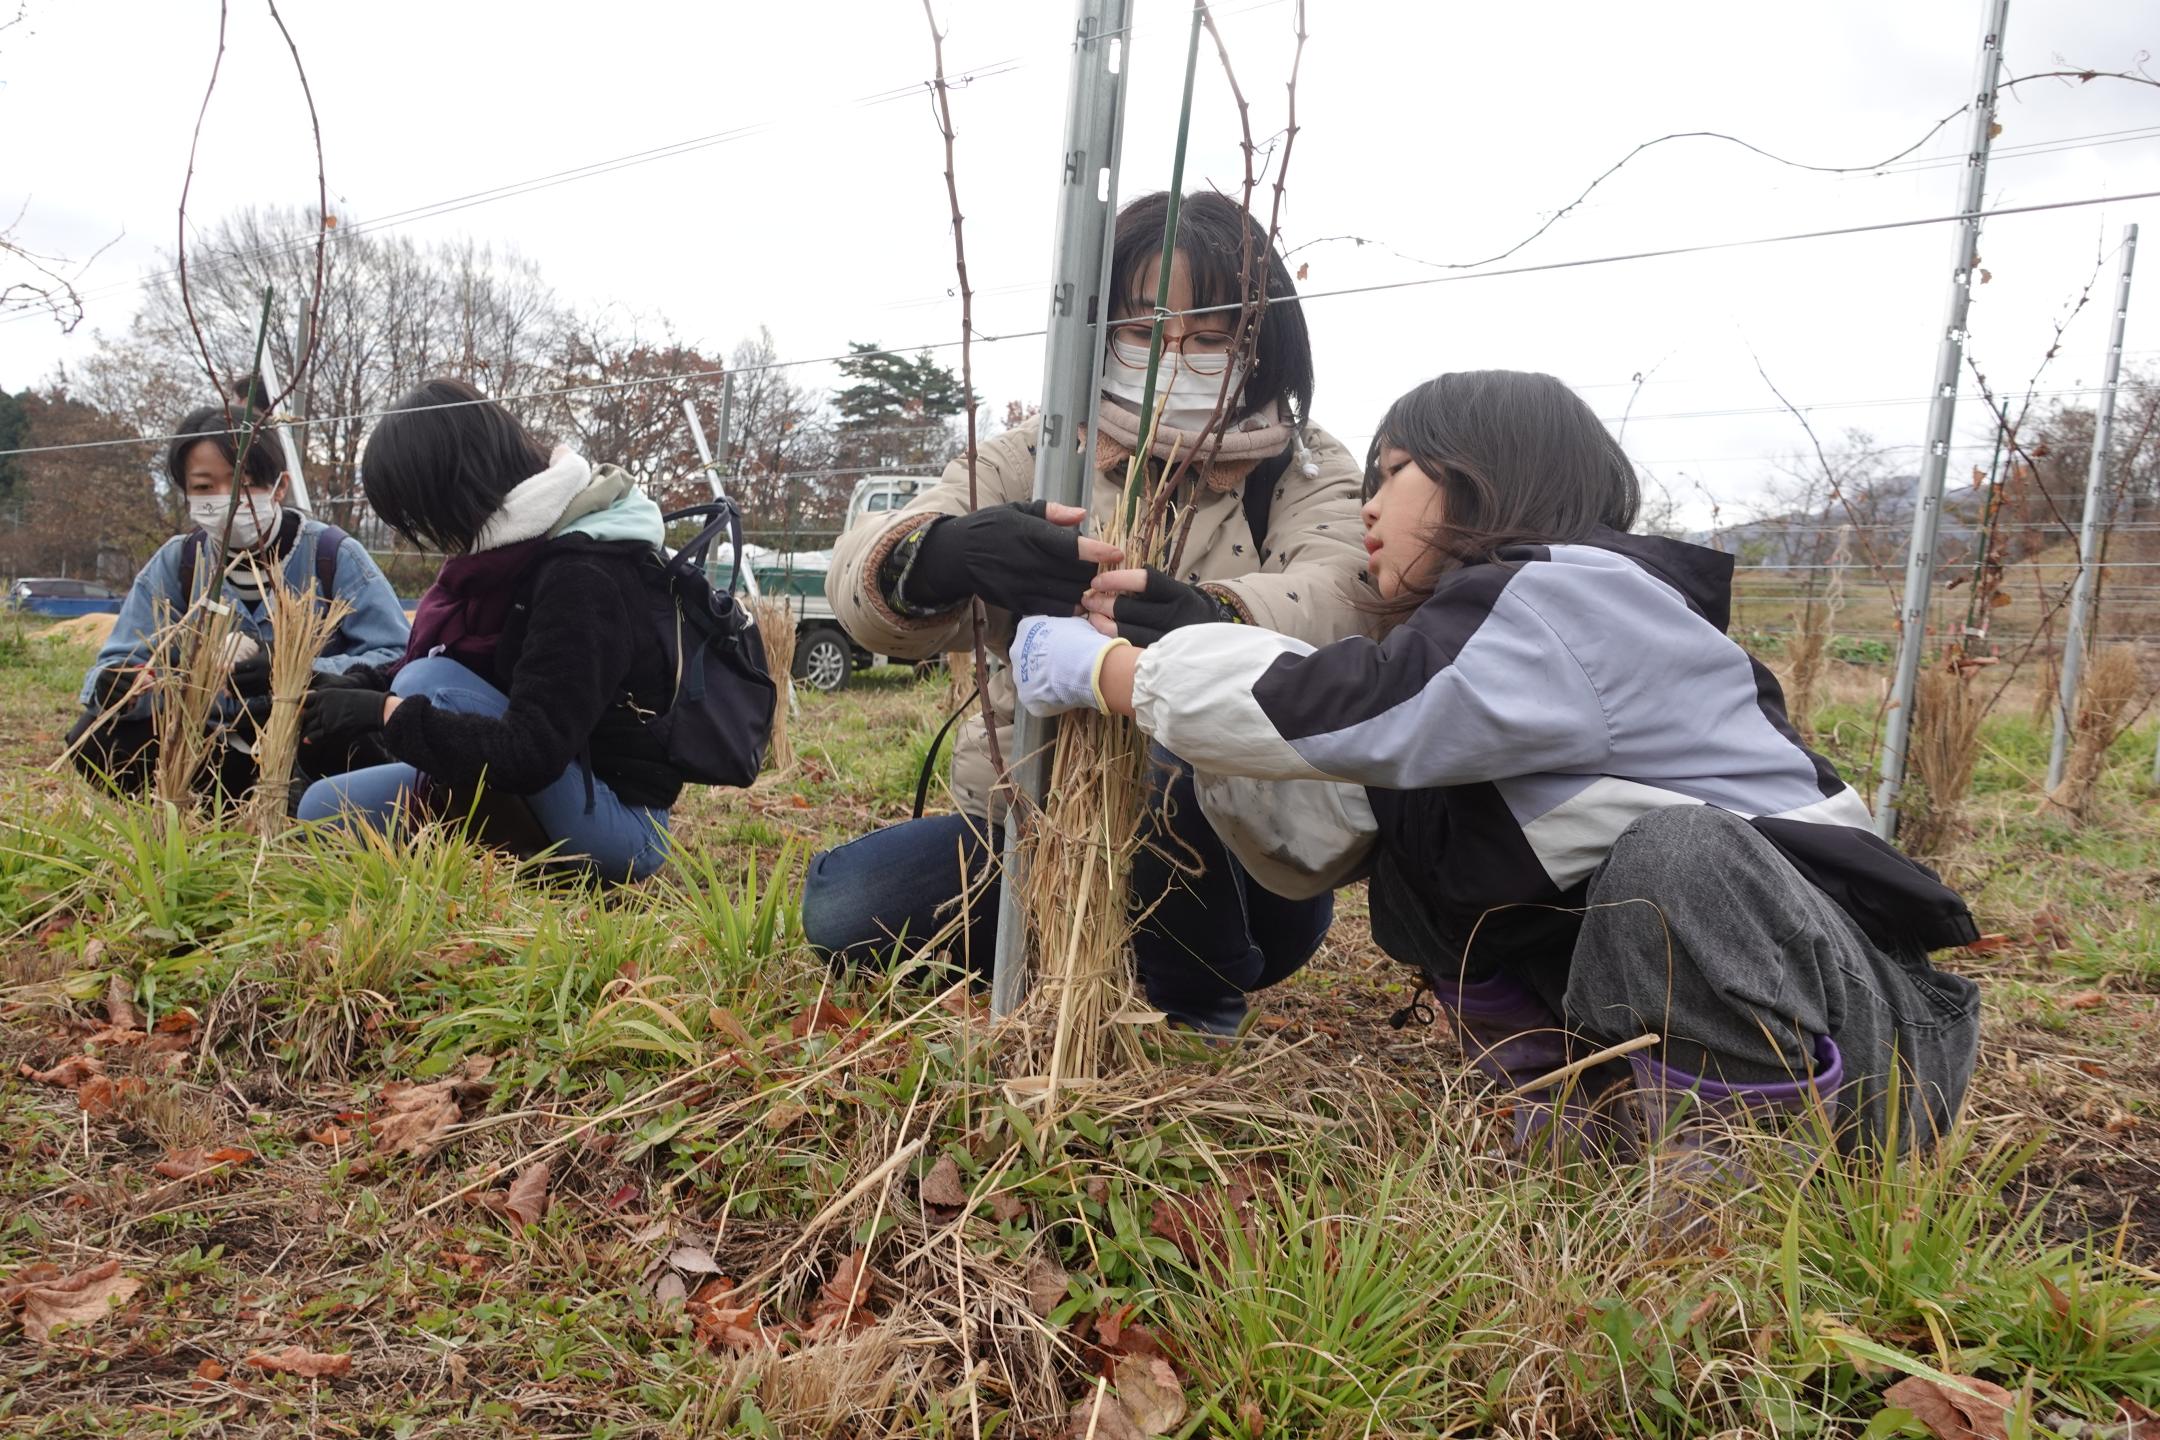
(372, 634)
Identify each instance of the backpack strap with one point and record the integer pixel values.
(192, 546)
(1260, 497)
(327, 546)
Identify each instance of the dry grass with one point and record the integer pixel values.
(1077, 880)
(300, 628)
(776, 628)
(187, 694)
(1943, 751)
(2106, 694)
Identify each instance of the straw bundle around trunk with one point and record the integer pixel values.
(300, 628)
(1944, 751)
(2049, 695)
(187, 689)
(1817, 622)
(1079, 855)
(2110, 688)
(776, 627)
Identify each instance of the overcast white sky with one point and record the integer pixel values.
(1445, 131)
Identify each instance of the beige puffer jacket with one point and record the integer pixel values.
(1308, 588)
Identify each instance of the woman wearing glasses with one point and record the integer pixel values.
(1272, 539)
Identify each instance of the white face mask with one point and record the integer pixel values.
(256, 516)
(1191, 397)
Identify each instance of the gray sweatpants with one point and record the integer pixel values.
(1700, 930)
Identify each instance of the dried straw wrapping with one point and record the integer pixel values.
(1818, 619)
(1944, 751)
(300, 628)
(187, 691)
(776, 627)
(2110, 687)
(1078, 852)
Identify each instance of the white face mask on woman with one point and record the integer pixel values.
(1191, 397)
(256, 516)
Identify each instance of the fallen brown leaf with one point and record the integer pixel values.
(172, 1022)
(527, 1198)
(299, 1360)
(2086, 1000)
(49, 1299)
(101, 1098)
(1152, 1393)
(942, 1189)
(1977, 1411)
(416, 1119)
(207, 1374)
(196, 1161)
(1046, 1285)
(723, 1022)
(120, 1011)
(823, 1016)
(331, 1134)
(1007, 1206)
(68, 1074)
(843, 1303)
(1104, 1417)
(2139, 1423)
(723, 1323)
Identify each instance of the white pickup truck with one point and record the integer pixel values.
(825, 658)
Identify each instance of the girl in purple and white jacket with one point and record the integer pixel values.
(1581, 810)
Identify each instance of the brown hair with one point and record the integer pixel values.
(1520, 459)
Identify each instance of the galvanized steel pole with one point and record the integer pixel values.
(1072, 378)
(2081, 589)
(1942, 410)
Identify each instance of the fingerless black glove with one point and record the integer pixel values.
(332, 718)
(251, 677)
(111, 685)
(1167, 605)
(1008, 554)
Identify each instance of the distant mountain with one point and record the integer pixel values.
(1886, 511)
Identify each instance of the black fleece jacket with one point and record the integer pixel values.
(583, 666)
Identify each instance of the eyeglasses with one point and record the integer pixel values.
(1205, 352)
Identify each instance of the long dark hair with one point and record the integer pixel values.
(440, 463)
(1211, 230)
(1519, 458)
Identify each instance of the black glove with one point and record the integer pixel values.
(1164, 606)
(335, 718)
(251, 677)
(358, 678)
(110, 685)
(1008, 554)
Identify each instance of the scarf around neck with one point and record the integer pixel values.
(463, 613)
(1226, 459)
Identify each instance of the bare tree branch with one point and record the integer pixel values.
(978, 618)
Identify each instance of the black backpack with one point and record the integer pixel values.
(716, 727)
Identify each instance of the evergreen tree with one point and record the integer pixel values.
(894, 414)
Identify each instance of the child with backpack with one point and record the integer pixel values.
(538, 693)
(1581, 810)
(263, 542)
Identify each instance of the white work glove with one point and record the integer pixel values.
(1057, 664)
(240, 648)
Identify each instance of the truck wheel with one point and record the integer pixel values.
(823, 663)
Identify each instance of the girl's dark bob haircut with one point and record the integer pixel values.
(440, 463)
(1520, 459)
(1211, 231)
(223, 427)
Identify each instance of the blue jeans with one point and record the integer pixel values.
(614, 839)
(1212, 937)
